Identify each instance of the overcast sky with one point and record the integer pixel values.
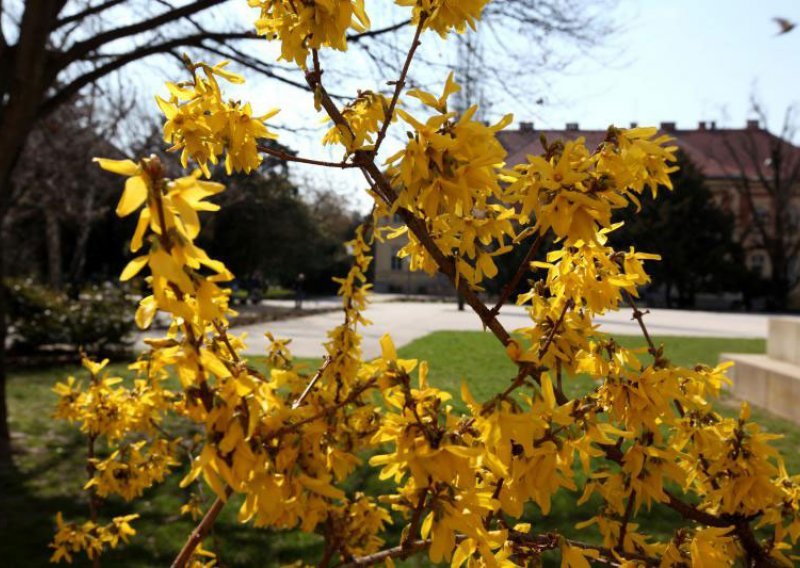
(680, 60)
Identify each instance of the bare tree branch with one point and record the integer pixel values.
(90, 11)
(81, 49)
(72, 88)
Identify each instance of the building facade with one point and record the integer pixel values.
(392, 274)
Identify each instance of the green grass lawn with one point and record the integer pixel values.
(51, 460)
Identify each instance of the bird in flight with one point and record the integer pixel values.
(785, 25)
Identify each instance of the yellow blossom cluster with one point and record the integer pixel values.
(464, 478)
(573, 190)
(127, 419)
(364, 117)
(201, 124)
(131, 469)
(442, 16)
(105, 407)
(304, 25)
(448, 175)
(89, 537)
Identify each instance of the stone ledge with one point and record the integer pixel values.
(765, 382)
(784, 339)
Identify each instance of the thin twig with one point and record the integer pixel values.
(410, 548)
(287, 157)
(495, 495)
(354, 394)
(399, 84)
(296, 404)
(568, 305)
(625, 520)
(658, 359)
(223, 333)
(638, 315)
(524, 267)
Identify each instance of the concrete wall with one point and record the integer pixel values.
(771, 381)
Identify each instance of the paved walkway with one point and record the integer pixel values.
(407, 321)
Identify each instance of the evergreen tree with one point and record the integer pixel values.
(691, 233)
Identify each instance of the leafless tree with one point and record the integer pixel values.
(766, 172)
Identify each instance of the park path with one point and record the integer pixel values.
(410, 320)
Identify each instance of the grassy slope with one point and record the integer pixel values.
(48, 470)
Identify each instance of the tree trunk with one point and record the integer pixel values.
(5, 434)
(22, 87)
(53, 237)
(78, 262)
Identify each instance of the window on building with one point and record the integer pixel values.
(397, 262)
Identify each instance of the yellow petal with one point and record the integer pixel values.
(122, 167)
(134, 195)
(133, 268)
(388, 352)
(141, 227)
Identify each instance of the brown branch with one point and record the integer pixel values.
(495, 495)
(90, 11)
(535, 371)
(355, 38)
(638, 315)
(756, 555)
(201, 531)
(156, 174)
(686, 510)
(537, 542)
(568, 305)
(383, 189)
(625, 520)
(286, 156)
(312, 382)
(524, 267)
(399, 84)
(354, 394)
(330, 545)
(416, 517)
(658, 357)
(398, 551)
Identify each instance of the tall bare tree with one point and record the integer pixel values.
(52, 49)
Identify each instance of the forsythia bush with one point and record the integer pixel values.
(646, 436)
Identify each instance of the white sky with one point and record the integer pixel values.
(678, 60)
